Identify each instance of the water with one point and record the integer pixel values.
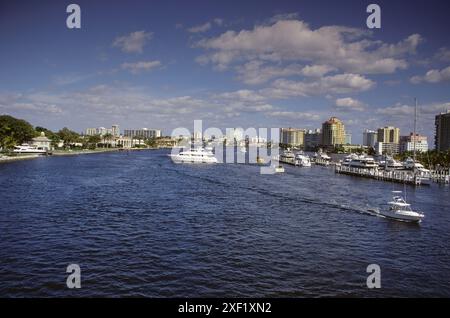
(139, 225)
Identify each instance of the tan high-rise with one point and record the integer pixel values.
(389, 135)
(333, 132)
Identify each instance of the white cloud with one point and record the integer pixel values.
(242, 95)
(133, 42)
(255, 72)
(433, 76)
(335, 84)
(141, 66)
(344, 48)
(295, 115)
(349, 104)
(443, 54)
(200, 28)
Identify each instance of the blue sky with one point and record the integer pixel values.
(162, 64)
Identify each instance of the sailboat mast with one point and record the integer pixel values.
(415, 128)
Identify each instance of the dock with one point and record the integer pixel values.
(399, 176)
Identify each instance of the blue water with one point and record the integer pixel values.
(139, 225)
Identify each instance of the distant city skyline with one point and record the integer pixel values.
(164, 64)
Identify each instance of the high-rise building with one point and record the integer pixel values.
(370, 138)
(142, 133)
(312, 139)
(348, 138)
(91, 131)
(442, 137)
(333, 132)
(389, 135)
(115, 130)
(292, 136)
(408, 143)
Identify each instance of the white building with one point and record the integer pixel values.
(42, 142)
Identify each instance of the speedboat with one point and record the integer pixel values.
(278, 169)
(400, 210)
(302, 160)
(198, 155)
(26, 148)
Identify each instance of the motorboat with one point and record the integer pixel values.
(302, 160)
(363, 162)
(198, 155)
(411, 164)
(347, 159)
(399, 209)
(287, 157)
(278, 169)
(29, 149)
(391, 163)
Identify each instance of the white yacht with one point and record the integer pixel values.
(302, 160)
(391, 163)
(411, 164)
(363, 162)
(26, 148)
(347, 159)
(287, 157)
(400, 210)
(198, 155)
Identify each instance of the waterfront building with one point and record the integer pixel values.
(442, 137)
(407, 143)
(115, 130)
(144, 133)
(387, 148)
(91, 131)
(42, 142)
(292, 137)
(333, 132)
(370, 138)
(348, 139)
(389, 134)
(312, 139)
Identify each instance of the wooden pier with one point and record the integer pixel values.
(400, 176)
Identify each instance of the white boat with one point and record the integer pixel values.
(287, 157)
(26, 148)
(347, 159)
(391, 163)
(400, 210)
(198, 155)
(302, 160)
(278, 169)
(363, 162)
(243, 149)
(410, 163)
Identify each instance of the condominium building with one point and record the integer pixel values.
(370, 138)
(91, 131)
(293, 137)
(142, 133)
(389, 135)
(442, 137)
(312, 139)
(348, 138)
(411, 142)
(333, 132)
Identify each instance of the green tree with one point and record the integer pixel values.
(68, 136)
(14, 131)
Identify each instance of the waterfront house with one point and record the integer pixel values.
(42, 142)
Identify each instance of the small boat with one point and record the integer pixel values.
(26, 148)
(278, 169)
(260, 160)
(302, 160)
(198, 155)
(243, 149)
(400, 210)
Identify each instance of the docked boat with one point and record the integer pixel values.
(26, 148)
(243, 149)
(198, 155)
(287, 157)
(399, 209)
(363, 162)
(321, 158)
(391, 164)
(302, 160)
(347, 159)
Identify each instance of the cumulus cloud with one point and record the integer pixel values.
(133, 42)
(205, 26)
(443, 54)
(344, 48)
(335, 84)
(142, 66)
(349, 104)
(255, 72)
(433, 76)
(295, 115)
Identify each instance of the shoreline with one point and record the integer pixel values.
(59, 153)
